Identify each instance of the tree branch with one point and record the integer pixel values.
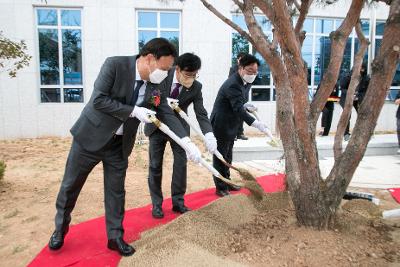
(228, 21)
(305, 6)
(355, 80)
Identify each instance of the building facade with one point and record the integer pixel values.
(69, 41)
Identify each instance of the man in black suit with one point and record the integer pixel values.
(228, 112)
(122, 97)
(181, 84)
(232, 70)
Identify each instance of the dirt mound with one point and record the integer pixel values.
(363, 207)
(233, 232)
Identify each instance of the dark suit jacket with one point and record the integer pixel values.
(186, 97)
(228, 110)
(107, 108)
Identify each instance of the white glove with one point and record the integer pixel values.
(192, 152)
(250, 107)
(142, 114)
(172, 102)
(262, 127)
(211, 142)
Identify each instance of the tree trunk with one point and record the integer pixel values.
(315, 199)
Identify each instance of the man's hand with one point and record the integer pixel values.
(250, 107)
(397, 101)
(262, 127)
(172, 102)
(192, 152)
(142, 114)
(211, 142)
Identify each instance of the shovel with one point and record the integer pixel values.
(258, 194)
(246, 175)
(165, 129)
(174, 105)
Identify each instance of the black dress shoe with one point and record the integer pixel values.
(119, 245)
(233, 187)
(57, 239)
(157, 212)
(242, 136)
(180, 209)
(222, 193)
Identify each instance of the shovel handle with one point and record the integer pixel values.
(197, 130)
(165, 129)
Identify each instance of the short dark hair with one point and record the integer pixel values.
(159, 47)
(248, 60)
(188, 62)
(240, 55)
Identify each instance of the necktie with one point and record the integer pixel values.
(135, 95)
(175, 92)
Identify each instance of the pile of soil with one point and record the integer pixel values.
(233, 232)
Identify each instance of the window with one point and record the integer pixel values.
(152, 24)
(60, 55)
(379, 28)
(318, 30)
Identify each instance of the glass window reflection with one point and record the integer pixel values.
(172, 36)
(239, 44)
(264, 72)
(72, 56)
(239, 20)
(321, 58)
(49, 95)
(47, 17)
(264, 23)
(365, 27)
(71, 17)
(48, 56)
(324, 25)
(308, 25)
(380, 27)
(73, 95)
(169, 20)
(306, 51)
(260, 94)
(147, 19)
(145, 36)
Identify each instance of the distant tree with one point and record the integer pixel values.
(13, 56)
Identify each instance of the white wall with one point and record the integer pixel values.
(109, 29)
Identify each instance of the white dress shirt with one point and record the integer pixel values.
(142, 91)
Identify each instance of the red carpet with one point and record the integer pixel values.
(85, 244)
(395, 193)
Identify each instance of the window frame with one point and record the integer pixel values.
(61, 86)
(158, 28)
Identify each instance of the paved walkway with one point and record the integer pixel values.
(374, 171)
(257, 147)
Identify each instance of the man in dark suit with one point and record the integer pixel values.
(124, 92)
(232, 70)
(181, 84)
(228, 112)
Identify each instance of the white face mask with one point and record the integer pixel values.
(157, 76)
(249, 78)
